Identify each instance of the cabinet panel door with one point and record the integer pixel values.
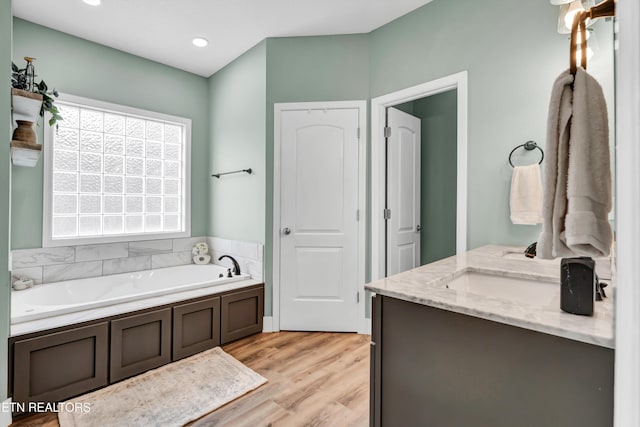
(57, 366)
(241, 314)
(140, 343)
(196, 327)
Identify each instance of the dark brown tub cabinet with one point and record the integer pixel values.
(196, 327)
(433, 367)
(60, 363)
(241, 314)
(54, 366)
(140, 343)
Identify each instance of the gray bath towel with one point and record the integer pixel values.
(577, 175)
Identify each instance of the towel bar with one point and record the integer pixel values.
(529, 145)
(218, 175)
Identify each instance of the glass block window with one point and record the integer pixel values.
(115, 173)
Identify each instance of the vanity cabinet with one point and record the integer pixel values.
(242, 314)
(139, 343)
(55, 366)
(433, 367)
(196, 327)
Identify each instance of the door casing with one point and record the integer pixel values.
(279, 108)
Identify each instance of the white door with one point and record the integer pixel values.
(403, 192)
(319, 220)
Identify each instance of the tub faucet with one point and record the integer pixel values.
(236, 266)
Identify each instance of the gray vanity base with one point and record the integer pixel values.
(432, 367)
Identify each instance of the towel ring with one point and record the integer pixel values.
(529, 145)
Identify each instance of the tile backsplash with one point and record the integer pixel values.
(45, 265)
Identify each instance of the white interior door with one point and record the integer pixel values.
(319, 219)
(403, 191)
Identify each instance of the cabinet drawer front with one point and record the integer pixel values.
(140, 343)
(61, 365)
(241, 314)
(196, 327)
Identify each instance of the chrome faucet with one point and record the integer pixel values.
(236, 266)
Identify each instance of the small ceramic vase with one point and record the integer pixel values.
(25, 133)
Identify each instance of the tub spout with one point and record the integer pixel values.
(236, 266)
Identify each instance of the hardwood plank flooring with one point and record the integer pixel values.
(315, 379)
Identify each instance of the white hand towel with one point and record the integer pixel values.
(526, 195)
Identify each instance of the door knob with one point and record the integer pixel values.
(286, 231)
(418, 228)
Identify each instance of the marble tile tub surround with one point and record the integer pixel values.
(46, 265)
(427, 285)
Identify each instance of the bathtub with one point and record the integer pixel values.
(54, 299)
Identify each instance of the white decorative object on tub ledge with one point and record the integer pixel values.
(22, 283)
(200, 254)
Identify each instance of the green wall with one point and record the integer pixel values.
(512, 53)
(79, 67)
(237, 127)
(5, 187)
(438, 116)
(308, 69)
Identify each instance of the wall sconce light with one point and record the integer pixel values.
(575, 7)
(568, 10)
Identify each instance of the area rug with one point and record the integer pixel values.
(171, 395)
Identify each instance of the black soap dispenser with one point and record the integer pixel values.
(577, 285)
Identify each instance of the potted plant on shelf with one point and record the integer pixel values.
(29, 100)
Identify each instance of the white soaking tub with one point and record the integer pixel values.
(54, 299)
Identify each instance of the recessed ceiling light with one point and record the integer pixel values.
(93, 2)
(200, 41)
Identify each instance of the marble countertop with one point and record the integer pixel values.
(427, 285)
(115, 309)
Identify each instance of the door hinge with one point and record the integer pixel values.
(387, 214)
(358, 133)
(358, 297)
(387, 132)
(357, 214)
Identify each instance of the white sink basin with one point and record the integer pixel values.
(522, 291)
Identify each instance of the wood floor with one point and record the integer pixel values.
(315, 379)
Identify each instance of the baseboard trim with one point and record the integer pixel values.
(364, 329)
(365, 326)
(267, 324)
(5, 413)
